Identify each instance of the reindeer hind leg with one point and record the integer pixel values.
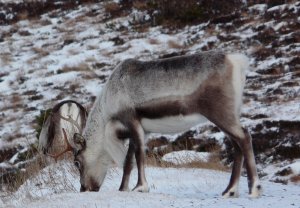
(255, 188)
(232, 188)
(243, 141)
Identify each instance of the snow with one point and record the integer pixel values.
(283, 172)
(275, 8)
(170, 137)
(294, 167)
(184, 156)
(259, 7)
(39, 56)
(169, 187)
(4, 165)
(15, 157)
(280, 25)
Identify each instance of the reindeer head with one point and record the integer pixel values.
(92, 164)
(92, 169)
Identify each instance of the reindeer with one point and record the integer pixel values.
(63, 118)
(164, 96)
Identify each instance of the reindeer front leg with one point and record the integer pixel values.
(116, 132)
(138, 142)
(127, 168)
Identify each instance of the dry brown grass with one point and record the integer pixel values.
(140, 5)
(73, 88)
(63, 29)
(16, 99)
(6, 58)
(175, 45)
(90, 60)
(81, 18)
(142, 28)
(23, 15)
(46, 178)
(71, 23)
(80, 67)
(31, 61)
(45, 22)
(112, 8)
(32, 170)
(15, 102)
(295, 179)
(213, 163)
(153, 41)
(15, 180)
(73, 52)
(24, 33)
(40, 51)
(109, 54)
(92, 47)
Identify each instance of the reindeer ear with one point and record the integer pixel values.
(79, 140)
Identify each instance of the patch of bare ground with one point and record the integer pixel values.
(157, 148)
(213, 163)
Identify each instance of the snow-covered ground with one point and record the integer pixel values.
(70, 54)
(169, 187)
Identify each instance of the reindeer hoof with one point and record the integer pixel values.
(124, 189)
(141, 188)
(256, 191)
(230, 194)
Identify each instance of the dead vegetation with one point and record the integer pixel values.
(6, 58)
(296, 179)
(158, 147)
(14, 103)
(213, 163)
(153, 41)
(33, 9)
(112, 8)
(13, 178)
(82, 67)
(174, 44)
(180, 13)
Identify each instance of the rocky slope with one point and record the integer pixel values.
(67, 51)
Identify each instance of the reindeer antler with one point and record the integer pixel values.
(72, 121)
(68, 148)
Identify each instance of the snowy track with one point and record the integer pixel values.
(169, 188)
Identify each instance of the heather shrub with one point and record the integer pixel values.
(178, 12)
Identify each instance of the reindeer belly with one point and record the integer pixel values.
(172, 124)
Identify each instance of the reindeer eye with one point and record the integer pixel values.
(75, 152)
(77, 164)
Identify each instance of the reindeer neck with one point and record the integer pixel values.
(95, 125)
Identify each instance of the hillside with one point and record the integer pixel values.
(67, 51)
